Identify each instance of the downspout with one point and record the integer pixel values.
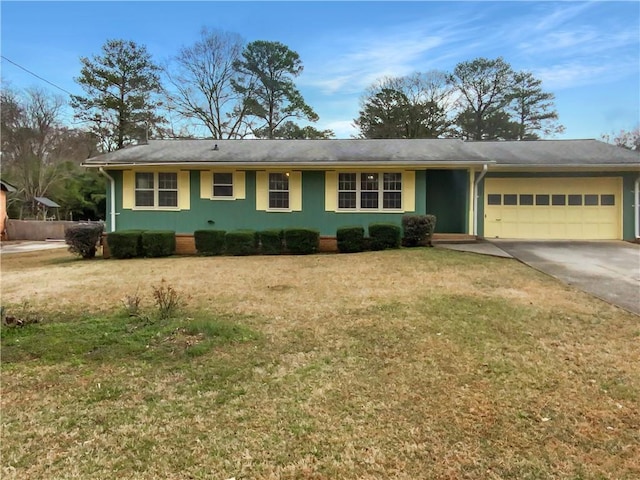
(112, 184)
(485, 167)
(637, 208)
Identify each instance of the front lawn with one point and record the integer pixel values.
(406, 364)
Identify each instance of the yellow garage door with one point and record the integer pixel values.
(553, 208)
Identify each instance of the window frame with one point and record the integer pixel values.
(156, 191)
(270, 208)
(214, 184)
(361, 181)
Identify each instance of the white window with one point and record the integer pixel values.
(347, 190)
(156, 189)
(370, 191)
(279, 190)
(223, 185)
(392, 191)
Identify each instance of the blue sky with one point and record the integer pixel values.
(586, 53)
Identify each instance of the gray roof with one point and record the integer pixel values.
(47, 202)
(7, 187)
(292, 151)
(337, 152)
(557, 153)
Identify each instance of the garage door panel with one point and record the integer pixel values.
(563, 208)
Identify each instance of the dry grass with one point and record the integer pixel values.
(401, 364)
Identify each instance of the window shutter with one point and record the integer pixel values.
(184, 190)
(409, 191)
(128, 189)
(330, 191)
(239, 189)
(262, 190)
(295, 191)
(206, 184)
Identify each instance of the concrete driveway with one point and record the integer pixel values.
(609, 270)
(29, 246)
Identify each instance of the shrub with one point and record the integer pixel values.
(301, 241)
(418, 229)
(131, 303)
(241, 242)
(384, 235)
(271, 242)
(83, 238)
(210, 242)
(158, 243)
(166, 298)
(125, 244)
(350, 239)
(20, 316)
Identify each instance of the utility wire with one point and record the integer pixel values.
(36, 75)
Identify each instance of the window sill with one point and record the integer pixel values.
(367, 210)
(157, 209)
(224, 199)
(280, 210)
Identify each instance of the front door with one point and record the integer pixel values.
(447, 199)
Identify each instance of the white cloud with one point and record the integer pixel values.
(581, 41)
(342, 128)
(575, 74)
(367, 55)
(365, 60)
(560, 15)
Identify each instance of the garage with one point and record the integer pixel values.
(553, 208)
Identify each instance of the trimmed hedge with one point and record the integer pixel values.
(301, 241)
(384, 235)
(158, 243)
(241, 242)
(418, 229)
(271, 242)
(350, 239)
(83, 238)
(125, 244)
(210, 242)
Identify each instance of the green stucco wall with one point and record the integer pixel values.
(628, 180)
(242, 214)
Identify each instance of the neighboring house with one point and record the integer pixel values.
(546, 189)
(4, 188)
(44, 204)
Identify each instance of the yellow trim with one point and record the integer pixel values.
(239, 185)
(206, 184)
(262, 190)
(409, 191)
(128, 189)
(163, 169)
(295, 191)
(331, 191)
(184, 190)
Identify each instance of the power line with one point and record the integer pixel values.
(36, 75)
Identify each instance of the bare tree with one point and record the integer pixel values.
(38, 153)
(201, 78)
(629, 139)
